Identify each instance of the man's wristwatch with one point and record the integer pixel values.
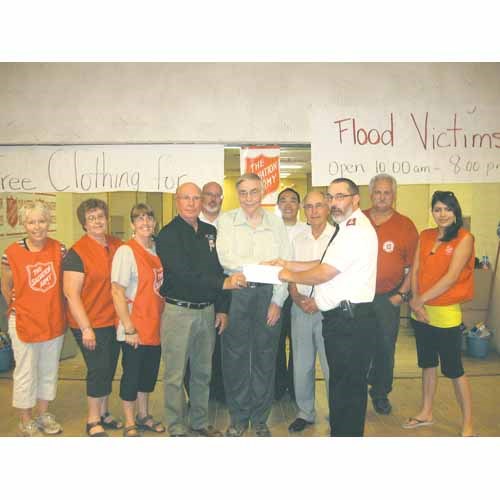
(404, 295)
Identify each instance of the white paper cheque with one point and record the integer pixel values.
(259, 273)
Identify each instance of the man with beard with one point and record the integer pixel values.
(344, 282)
(211, 203)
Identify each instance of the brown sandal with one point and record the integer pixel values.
(91, 425)
(131, 432)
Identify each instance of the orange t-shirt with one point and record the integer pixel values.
(96, 291)
(39, 301)
(432, 267)
(397, 242)
(148, 304)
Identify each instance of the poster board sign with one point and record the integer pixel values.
(420, 144)
(107, 168)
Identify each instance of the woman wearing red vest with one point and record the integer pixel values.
(91, 315)
(136, 277)
(442, 278)
(32, 287)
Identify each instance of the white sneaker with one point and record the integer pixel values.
(47, 423)
(29, 429)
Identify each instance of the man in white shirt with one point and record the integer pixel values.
(307, 338)
(344, 289)
(251, 235)
(211, 203)
(289, 205)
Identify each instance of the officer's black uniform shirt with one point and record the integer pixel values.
(191, 267)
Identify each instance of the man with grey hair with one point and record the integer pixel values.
(307, 339)
(397, 242)
(251, 235)
(211, 202)
(344, 282)
(195, 305)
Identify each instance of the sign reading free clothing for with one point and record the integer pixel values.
(107, 168)
(430, 144)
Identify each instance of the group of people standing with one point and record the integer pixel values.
(183, 296)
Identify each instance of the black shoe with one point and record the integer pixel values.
(382, 406)
(298, 425)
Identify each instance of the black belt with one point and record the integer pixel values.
(188, 305)
(252, 284)
(350, 310)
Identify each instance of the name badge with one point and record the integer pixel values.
(211, 241)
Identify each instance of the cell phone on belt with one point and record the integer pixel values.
(347, 309)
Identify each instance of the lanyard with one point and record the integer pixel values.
(337, 229)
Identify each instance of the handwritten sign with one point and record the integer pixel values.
(106, 168)
(416, 146)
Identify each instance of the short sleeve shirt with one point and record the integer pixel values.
(124, 272)
(397, 242)
(354, 254)
(305, 248)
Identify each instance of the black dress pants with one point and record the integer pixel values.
(284, 370)
(349, 346)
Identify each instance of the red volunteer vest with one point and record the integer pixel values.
(96, 291)
(148, 304)
(432, 267)
(39, 302)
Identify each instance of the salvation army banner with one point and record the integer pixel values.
(265, 162)
(107, 168)
(11, 223)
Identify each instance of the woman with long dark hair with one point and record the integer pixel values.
(442, 278)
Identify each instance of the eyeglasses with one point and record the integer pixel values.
(337, 197)
(144, 218)
(317, 206)
(95, 218)
(213, 195)
(245, 194)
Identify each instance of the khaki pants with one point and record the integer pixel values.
(187, 334)
(37, 365)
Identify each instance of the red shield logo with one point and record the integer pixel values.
(12, 215)
(158, 280)
(41, 276)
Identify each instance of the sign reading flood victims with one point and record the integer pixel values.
(105, 168)
(417, 146)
